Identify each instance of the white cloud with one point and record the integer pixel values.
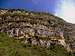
(66, 10)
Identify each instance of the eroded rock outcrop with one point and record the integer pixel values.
(37, 28)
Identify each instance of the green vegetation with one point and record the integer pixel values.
(39, 26)
(13, 47)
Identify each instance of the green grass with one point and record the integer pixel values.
(12, 47)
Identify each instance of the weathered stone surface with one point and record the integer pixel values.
(37, 28)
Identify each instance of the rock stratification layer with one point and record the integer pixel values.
(36, 28)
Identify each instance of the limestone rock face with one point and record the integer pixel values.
(36, 28)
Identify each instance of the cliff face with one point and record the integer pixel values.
(36, 28)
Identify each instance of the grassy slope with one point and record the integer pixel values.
(12, 47)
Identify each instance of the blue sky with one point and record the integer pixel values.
(35, 5)
(62, 8)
